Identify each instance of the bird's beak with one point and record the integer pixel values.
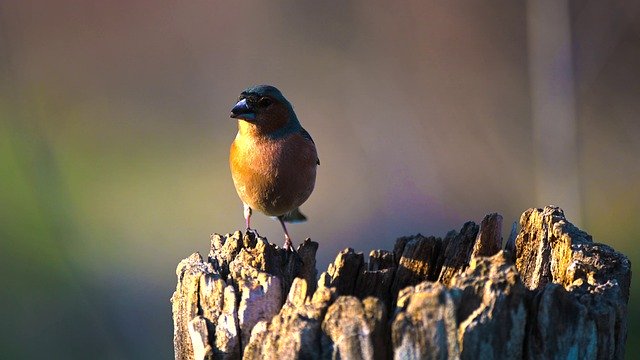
(243, 111)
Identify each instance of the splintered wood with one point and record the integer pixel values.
(553, 293)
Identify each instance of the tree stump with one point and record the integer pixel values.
(551, 293)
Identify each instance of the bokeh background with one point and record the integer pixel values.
(114, 136)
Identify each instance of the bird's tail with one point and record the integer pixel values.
(294, 216)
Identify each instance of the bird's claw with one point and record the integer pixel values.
(288, 245)
(253, 231)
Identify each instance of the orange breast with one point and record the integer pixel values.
(273, 176)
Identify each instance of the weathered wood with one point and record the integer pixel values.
(377, 277)
(185, 303)
(424, 325)
(568, 271)
(354, 329)
(552, 293)
(295, 332)
(343, 272)
(417, 261)
(458, 252)
(489, 239)
(491, 310)
(244, 281)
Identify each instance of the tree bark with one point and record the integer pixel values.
(553, 293)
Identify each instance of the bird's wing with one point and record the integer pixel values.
(305, 134)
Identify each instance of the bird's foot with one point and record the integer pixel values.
(253, 231)
(288, 245)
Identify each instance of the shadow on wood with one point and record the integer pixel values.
(552, 293)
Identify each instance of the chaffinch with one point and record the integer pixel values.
(273, 159)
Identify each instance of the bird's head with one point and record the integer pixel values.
(265, 107)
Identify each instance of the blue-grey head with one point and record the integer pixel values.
(265, 107)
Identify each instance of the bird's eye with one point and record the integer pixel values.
(264, 102)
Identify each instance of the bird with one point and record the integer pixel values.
(273, 159)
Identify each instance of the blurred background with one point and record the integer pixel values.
(114, 138)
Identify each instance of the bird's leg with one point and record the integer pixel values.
(247, 218)
(288, 245)
(247, 215)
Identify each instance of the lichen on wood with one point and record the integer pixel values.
(551, 292)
